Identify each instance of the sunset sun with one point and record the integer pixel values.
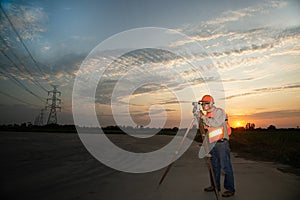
(238, 123)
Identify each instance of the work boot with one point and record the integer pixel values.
(227, 193)
(209, 189)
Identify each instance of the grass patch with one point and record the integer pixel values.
(280, 145)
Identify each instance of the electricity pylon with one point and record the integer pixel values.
(55, 104)
(39, 120)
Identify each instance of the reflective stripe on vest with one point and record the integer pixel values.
(215, 134)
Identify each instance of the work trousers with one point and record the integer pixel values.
(220, 158)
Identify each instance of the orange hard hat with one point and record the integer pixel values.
(207, 98)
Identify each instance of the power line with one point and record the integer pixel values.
(20, 84)
(17, 99)
(21, 40)
(20, 61)
(15, 65)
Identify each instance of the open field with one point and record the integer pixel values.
(281, 145)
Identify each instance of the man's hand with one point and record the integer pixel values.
(200, 114)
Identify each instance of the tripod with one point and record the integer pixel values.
(206, 146)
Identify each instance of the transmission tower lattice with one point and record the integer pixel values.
(39, 120)
(55, 104)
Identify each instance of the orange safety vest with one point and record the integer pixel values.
(216, 133)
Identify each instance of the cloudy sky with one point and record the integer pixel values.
(252, 46)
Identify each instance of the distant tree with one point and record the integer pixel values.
(250, 126)
(24, 124)
(271, 127)
(175, 129)
(29, 124)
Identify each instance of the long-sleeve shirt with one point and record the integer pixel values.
(217, 120)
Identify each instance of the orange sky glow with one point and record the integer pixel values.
(246, 54)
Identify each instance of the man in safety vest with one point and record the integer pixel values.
(215, 121)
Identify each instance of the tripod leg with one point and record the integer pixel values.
(213, 177)
(206, 147)
(176, 152)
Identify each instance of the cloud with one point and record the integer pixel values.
(231, 47)
(62, 70)
(251, 47)
(215, 25)
(29, 21)
(238, 15)
(149, 70)
(274, 114)
(265, 90)
(238, 79)
(232, 15)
